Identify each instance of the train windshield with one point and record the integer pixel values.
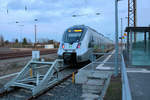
(73, 35)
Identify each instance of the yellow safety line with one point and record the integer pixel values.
(30, 72)
(73, 77)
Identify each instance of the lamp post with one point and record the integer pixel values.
(85, 14)
(121, 32)
(116, 38)
(20, 31)
(79, 15)
(21, 26)
(35, 30)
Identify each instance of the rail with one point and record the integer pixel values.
(126, 93)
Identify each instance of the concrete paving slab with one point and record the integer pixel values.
(104, 68)
(89, 96)
(91, 91)
(95, 82)
(92, 87)
(93, 79)
(81, 76)
(139, 85)
(100, 74)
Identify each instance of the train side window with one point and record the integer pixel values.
(91, 43)
(92, 39)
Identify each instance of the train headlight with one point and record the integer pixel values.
(63, 46)
(79, 44)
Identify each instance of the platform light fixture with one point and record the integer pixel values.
(85, 14)
(20, 26)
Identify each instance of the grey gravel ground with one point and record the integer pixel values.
(68, 92)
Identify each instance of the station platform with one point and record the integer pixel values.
(139, 83)
(138, 77)
(137, 52)
(95, 77)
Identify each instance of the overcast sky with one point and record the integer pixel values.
(54, 16)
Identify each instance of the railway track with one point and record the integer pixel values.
(23, 94)
(24, 54)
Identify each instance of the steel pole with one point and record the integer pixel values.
(35, 35)
(128, 13)
(21, 32)
(116, 38)
(121, 35)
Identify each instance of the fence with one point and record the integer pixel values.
(126, 93)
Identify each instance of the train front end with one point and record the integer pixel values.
(71, 46)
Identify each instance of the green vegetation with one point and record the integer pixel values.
(114, 91)
(16, 40)
(24, 41)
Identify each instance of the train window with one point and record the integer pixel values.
(92, 39)
(70, 35)
(91, 43)
(73, 35)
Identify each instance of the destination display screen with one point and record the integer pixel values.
(73, 34)
(75, 30)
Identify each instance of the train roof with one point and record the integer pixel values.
(78, 26)
(86, 27)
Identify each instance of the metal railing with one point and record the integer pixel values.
(126, 93)
(42, 74)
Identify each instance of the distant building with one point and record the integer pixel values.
(49, 46)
